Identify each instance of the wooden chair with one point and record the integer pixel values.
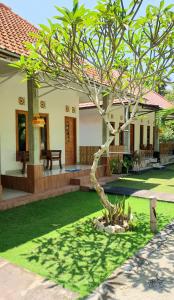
(53, 155)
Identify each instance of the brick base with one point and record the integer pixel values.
(34, 174)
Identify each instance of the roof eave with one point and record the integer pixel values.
(8, 54)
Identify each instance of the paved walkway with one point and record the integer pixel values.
(19, 284)
(149, 275)
(138, 193)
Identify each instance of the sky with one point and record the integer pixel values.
(38, 11)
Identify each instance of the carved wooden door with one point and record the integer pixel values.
(70, 141)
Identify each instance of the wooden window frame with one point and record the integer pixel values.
(113, 142)
(45, 115)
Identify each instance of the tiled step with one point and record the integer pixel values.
(14, 202)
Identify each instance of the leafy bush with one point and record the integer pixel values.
(116, 165)
(127, 163)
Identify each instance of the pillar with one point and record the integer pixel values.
(127, 131)
(105, 133)
(156, 137)
(34, 168)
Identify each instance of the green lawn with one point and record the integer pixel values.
(55, 238)
(155, 180)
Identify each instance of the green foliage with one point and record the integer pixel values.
(167, 132)
(127, 163)
(169, 95)
(116, 165)
(120, 215)
(109, 38)
(166, 124)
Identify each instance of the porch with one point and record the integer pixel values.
(18, 188)
(47, 179)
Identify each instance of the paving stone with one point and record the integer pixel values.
(19, 284)
(149, 275)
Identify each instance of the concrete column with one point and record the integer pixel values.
(127, 131)
(104, 127)
(156, 138)
(105, 134)
(34, 168)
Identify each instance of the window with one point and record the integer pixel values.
(148, 135)
(22, 133)
(113, 125)
(121, 136)
(141, 136)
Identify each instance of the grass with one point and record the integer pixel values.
(55, 238)
(154, 180)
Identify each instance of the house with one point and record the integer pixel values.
(142, 129)
(141, 136)
(22, 103)
(19, 105)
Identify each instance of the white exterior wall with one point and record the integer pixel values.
(91, 126)
(56, 101)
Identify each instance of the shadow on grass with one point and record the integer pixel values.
(131, 183)
(22, 224)
(80, 258)
(139, 181)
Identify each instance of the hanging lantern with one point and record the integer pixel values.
(38, 121)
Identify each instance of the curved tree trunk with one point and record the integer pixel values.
(104, 148)
(99, 189)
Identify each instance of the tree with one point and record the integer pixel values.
(107, 53)
(166, 124)
(170, 95)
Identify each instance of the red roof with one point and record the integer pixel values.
(154, 98)
(151, 98)
(14, 31)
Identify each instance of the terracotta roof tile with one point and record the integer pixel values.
(154, 98)
(14, 31)
(151, 98)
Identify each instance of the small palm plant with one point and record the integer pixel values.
(122, 217)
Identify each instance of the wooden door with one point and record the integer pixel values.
(132, 137)
(70, 141)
